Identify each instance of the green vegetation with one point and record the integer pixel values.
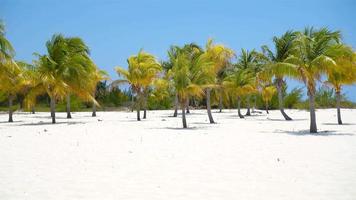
(67, 79)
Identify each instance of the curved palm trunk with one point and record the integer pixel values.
(338, 100)
(187, 106)
(280, 100)
(33, 109)
(53, 110)
(68, 107)
(11, 99)
(313, 128)
(175, 114)
(248, 113)
(220, 100)
(208, 106)
(238, 107)
(184, 120)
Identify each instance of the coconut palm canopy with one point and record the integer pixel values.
(190, 75)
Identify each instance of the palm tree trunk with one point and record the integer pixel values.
(184, 120)
(238, 107)
(313, 128)
(138, 114)
(208, 106)
(175, 114)
(267, 108)
(338, 100)
(254, 103)
(93, 114)
(53, 110)
(132, 103)
(220, 100)
(11, 99)
(187, 106)
(68, 107)
(144, 106)
(280, 99)
(33, 109)
(248, 113)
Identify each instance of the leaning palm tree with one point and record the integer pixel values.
(142, 70)
(343, 73)
(220, 56)
(277, 65)
(311, 61)
(239, 83)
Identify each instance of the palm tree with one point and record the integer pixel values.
(267, 94)
(249, 60)
(12, 82)
(221, 57)
(181, 74)
(239, 83)
(97, 77)
(343, 73)
(312, 61)
(78, 71)
(142, 70)
(277, 65)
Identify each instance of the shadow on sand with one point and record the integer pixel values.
(50, 123)
(307, 133)
(336, 124)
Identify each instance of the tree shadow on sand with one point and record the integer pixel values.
(307, 133)
(50, 123)
(336, 124)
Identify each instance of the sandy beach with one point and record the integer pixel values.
(113, 156)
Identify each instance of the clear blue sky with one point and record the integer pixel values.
(114, 30)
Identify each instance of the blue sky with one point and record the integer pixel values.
(115, 29)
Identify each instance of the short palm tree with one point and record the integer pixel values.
(250, 61)
(97, 77)
(343, 73)
(267, 94)
(277, 65)
(143, 68)
(239, 83)
(12, 82)
(181, 74)
(311, 61)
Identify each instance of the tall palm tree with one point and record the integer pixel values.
(343, 73)
(249, 60)
(239, 83)
(143, 68)
(277, 65)
(220, 56)
(312, 61)
(78, 71)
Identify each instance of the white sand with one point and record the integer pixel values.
(260, 157)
